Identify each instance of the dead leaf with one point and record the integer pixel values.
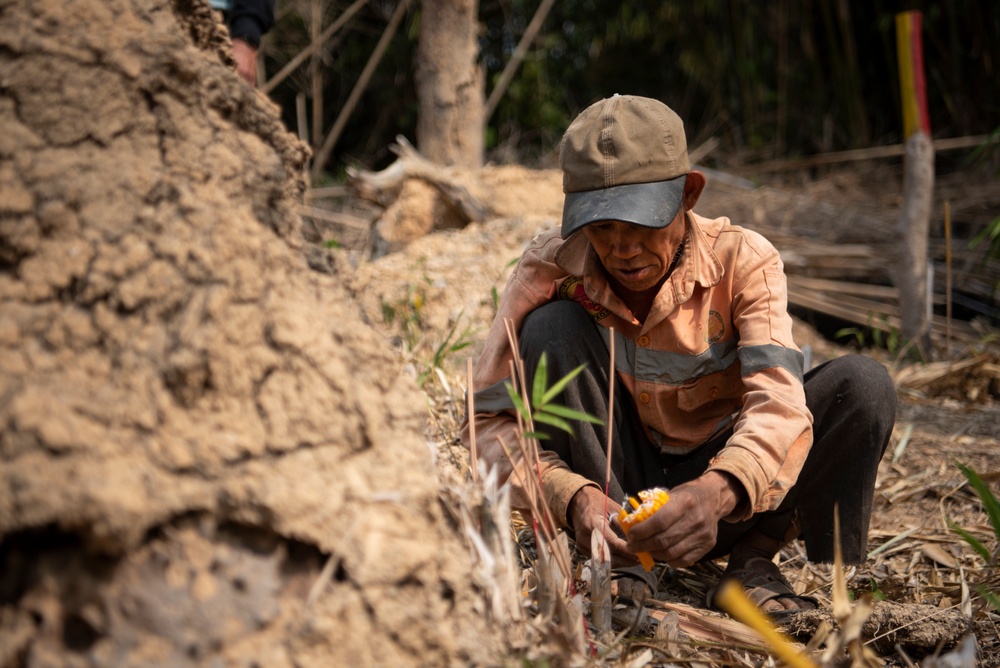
(938, 554)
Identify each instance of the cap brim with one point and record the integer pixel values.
(647, 204)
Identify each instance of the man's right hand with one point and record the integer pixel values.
(588, 512)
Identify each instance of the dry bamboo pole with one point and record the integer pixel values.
(315, 30)
(301, 126)
(471, 412)
(311, 49)
(515, 60)
(947, 273)
(871, 153)
(323, 154)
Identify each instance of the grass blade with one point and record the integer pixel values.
(560, 385)
(518, 404)
(990, 598)
(541, 380)
(971, 540)
(571, 414)
(990, 503)
(555, 421)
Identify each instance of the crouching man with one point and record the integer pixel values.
(710, 396)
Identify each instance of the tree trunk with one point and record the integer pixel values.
(450, 84)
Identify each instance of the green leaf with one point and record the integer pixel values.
(541, 380)
(990, 597)
(876, 592)
(518, 404)
(554, 391)
(555, 421)
(571, 414)
(971, 540)
(537, 435)
(990, 503)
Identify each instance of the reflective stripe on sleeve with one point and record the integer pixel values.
(758, 358)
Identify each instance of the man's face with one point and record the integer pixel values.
(636, 257)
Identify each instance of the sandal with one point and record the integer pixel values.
(762, 582)
(634, 583)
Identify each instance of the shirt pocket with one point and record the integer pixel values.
(694, 395)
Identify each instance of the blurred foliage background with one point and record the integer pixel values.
(768, 79)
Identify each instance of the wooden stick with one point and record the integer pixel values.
(611, 419)
(323, 154)
(515, 60)
(315, 29)
(874, 152)
(333, 217)
(309, 50)
(947, 274)
(473, 458)
(300, 122)
(300, 118)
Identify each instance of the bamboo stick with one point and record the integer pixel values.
(323, 154)
(515, 60)
(871, 153)
(333, 217)
(947, 273)
(473, 455)
(315, 29)
(309, 50)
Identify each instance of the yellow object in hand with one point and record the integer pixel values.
(651, 501)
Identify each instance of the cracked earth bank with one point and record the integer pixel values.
(193, 423)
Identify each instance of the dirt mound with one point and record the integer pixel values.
(205, 456)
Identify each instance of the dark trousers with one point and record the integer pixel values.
(852, 400)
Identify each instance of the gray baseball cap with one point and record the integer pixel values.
(623, 158)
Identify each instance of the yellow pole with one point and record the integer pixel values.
(735, 602)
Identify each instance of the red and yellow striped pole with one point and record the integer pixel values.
(913, 85)
(913, 271)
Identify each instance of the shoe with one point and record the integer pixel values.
(762, 582)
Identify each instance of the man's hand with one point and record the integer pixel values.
(686, 527)
(246, 61)
(588, 512)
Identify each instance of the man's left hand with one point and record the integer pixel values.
(686, 527)
(246, 61)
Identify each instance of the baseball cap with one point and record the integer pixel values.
(623, 158)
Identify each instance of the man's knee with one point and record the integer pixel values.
(856, 392)
(866, 381)
(554, 323)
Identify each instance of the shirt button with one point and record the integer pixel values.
(643, 340)
(713, 393)
(644, 397)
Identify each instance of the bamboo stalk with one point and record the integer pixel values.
(611, 417)
(323, 154)
(473, 456)
(871, 153)
(333, 217)
(519, 52)
(315, 28)
(947, 273)
(311, 49)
